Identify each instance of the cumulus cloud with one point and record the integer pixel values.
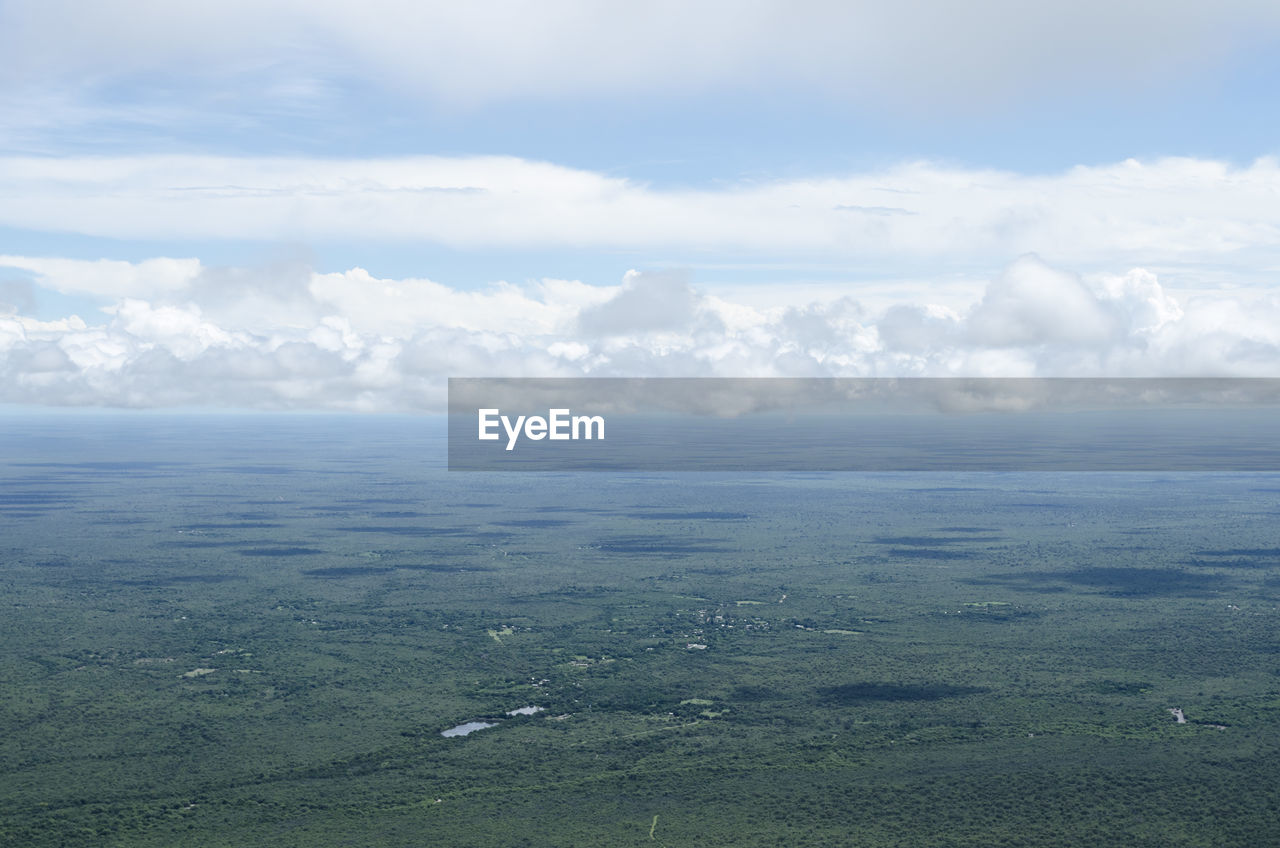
(1178, 212)
(646, 303)
(477, 52)
(1031, 303)
(352, 341)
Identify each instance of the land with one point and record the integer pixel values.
(233, 634)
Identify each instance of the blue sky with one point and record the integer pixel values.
(338, 205)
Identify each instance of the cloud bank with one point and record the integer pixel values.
(291, 338)
(1165, 213)
(495, 50)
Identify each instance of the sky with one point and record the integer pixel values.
(323, 205)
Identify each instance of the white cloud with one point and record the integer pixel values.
(181, 330)
(646, 303)
(1175, 212)
(107, 278)
(375, 344)
(1032, 304)
(400, 307)
(930, 53)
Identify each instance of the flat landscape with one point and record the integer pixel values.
(227, 631)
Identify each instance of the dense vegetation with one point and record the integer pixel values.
(218, 635)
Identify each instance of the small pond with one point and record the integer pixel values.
(469, 727)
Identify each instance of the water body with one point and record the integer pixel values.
(468, 728)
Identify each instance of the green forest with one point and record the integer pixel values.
(240, 649)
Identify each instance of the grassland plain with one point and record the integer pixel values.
(253, 630)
